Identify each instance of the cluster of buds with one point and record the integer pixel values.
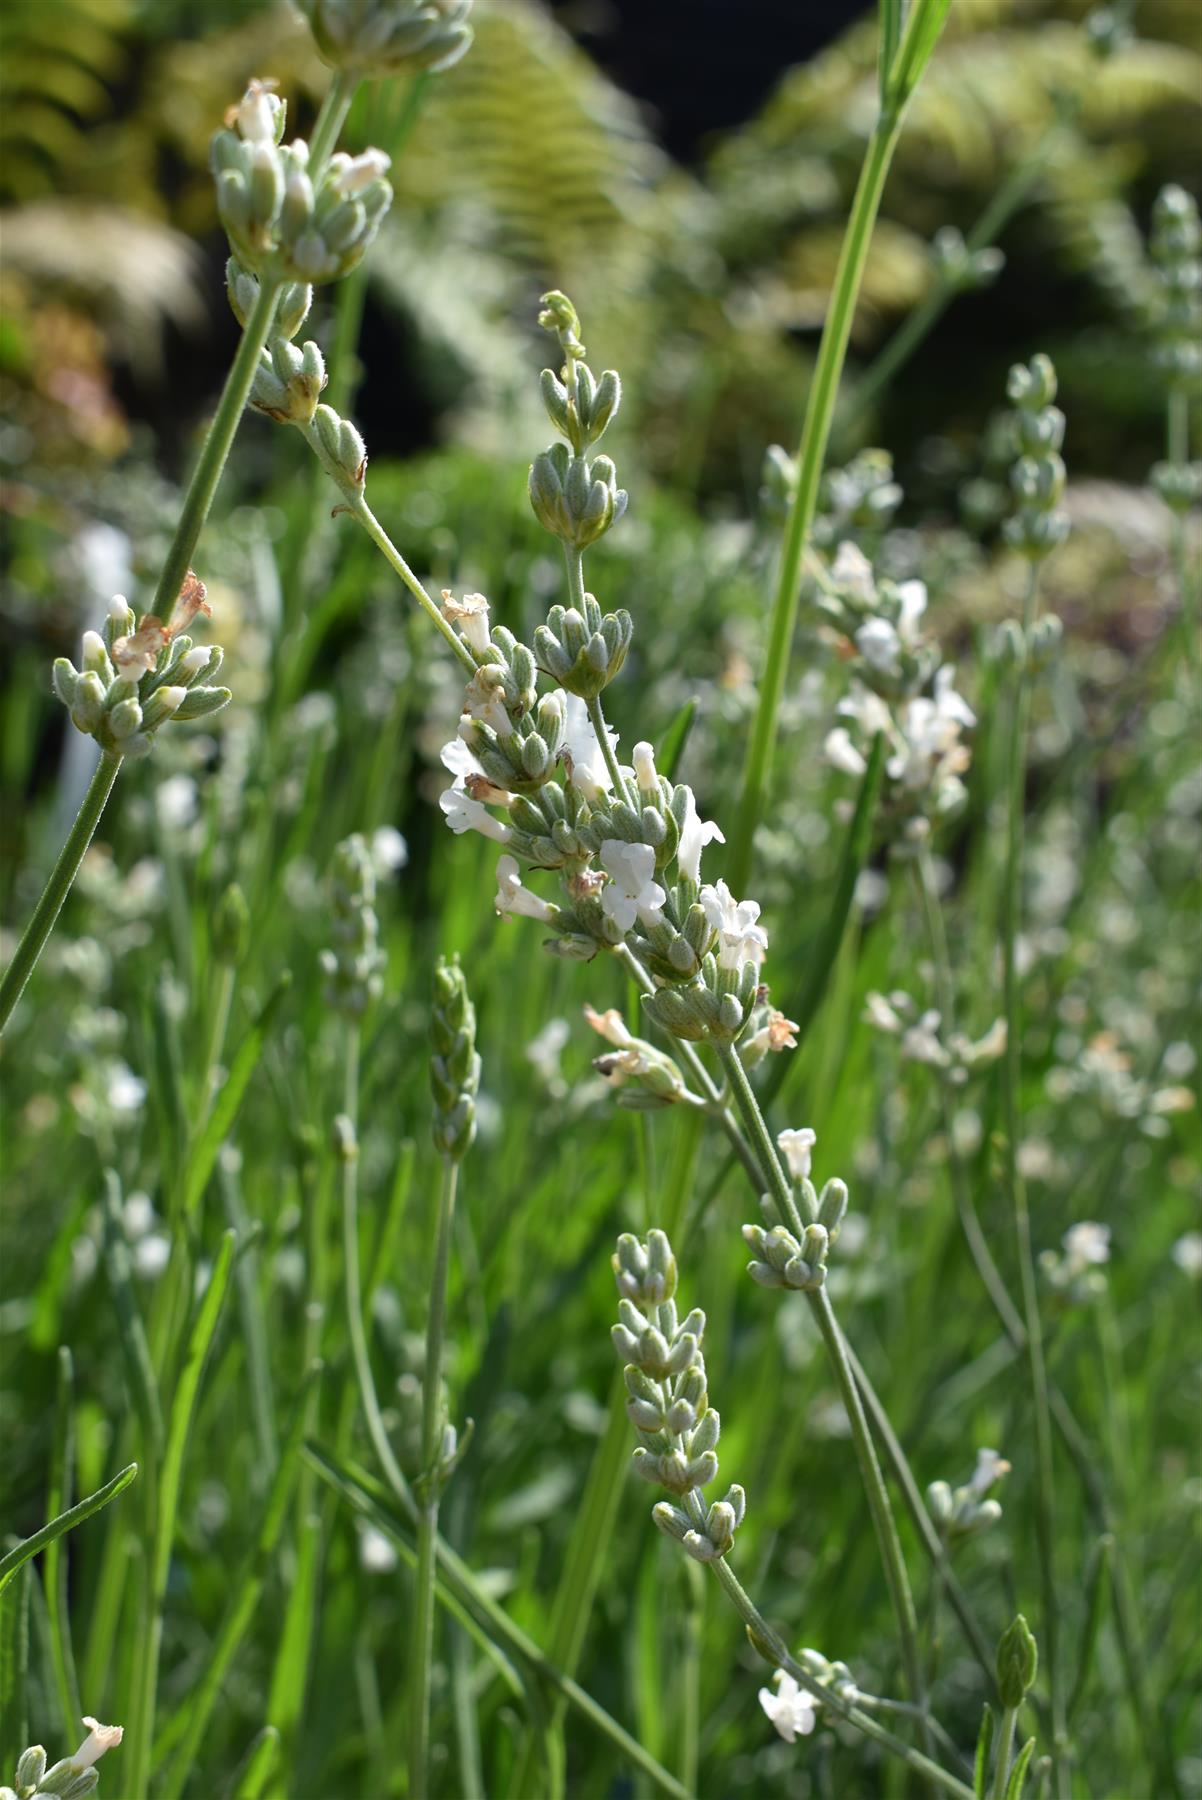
(901, 691)
(532, 773)
(965, 1511)
(454, 1063)
(136, 677)
(954, 1055)
(284, 221)
(960, 269)
(1175, 246)
(1038, 524)
(668, 1402)
(374, 38)
(1075, 1273)
(574, 498)
(353, 966)
(69, 1779)
(797, 1258)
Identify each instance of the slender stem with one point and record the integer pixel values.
(359, 1352)
(63, 874)
(820, 409)
(918, 323)
(427, 1516)
(330, 120)
(1045, 1516)
(1005, 1747)
(597, 721)
(216, 447)
(361, 511)
(870, 1469)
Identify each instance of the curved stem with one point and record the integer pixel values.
(820, 409)
(362, 513)
(63, 874)
(427, 1516)
(597, 721)
(1045, 1515)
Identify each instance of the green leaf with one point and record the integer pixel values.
(980, 1770)
(21, 1553)
(671, 749)
(1018, 1774)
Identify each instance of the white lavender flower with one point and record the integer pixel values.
(631, 893)
(695, 834)
(465, 814)
(793, 1710)
(740, 939)
(514, 901)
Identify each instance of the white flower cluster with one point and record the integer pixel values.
(900, 691)
(1075, 1272)
(953, 1054)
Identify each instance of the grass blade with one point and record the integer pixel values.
(202, 1153)
(20, 1553)
(54, 1568)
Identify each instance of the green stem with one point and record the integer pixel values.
(216, 448)
(820, 409)
(427, 1516)
(1005, 1748)
(330, 120)
(1045, 1515)
(597, 721)
(362, 513)
(63, 874)
(917, 324)
(870, 1469)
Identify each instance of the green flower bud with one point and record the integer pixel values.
(376, 38)
(454, 1064)
(1017, 1663)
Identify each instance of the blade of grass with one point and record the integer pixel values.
(54, 1566)
(20, 1553)
(202, 1153)
(146, 1676)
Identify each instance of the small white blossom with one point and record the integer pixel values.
(852, 572)
(793, 1710)
(842, 754)
(921, 1043)
(741, 940)
(358, 172)
(99, 1739)
(469, 616)
(644, 767)
(152, 1253)
(878, 1012)
(611, 1026)
(389, 851)
(797, 1148)
(124, 1091)
(695, 834)
(482, 700)
(879, 644)
(465, 814)
(631, 892)
(989, 1470)
(256, 115)
(515, 901)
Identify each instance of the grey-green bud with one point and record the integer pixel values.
(1017, 1663)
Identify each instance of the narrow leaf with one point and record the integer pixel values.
(671, 749)
(21, 1553)
(980, 1771)
(1018, 1774)
(203, 1153)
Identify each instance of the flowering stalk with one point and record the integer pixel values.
(1035, 529)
